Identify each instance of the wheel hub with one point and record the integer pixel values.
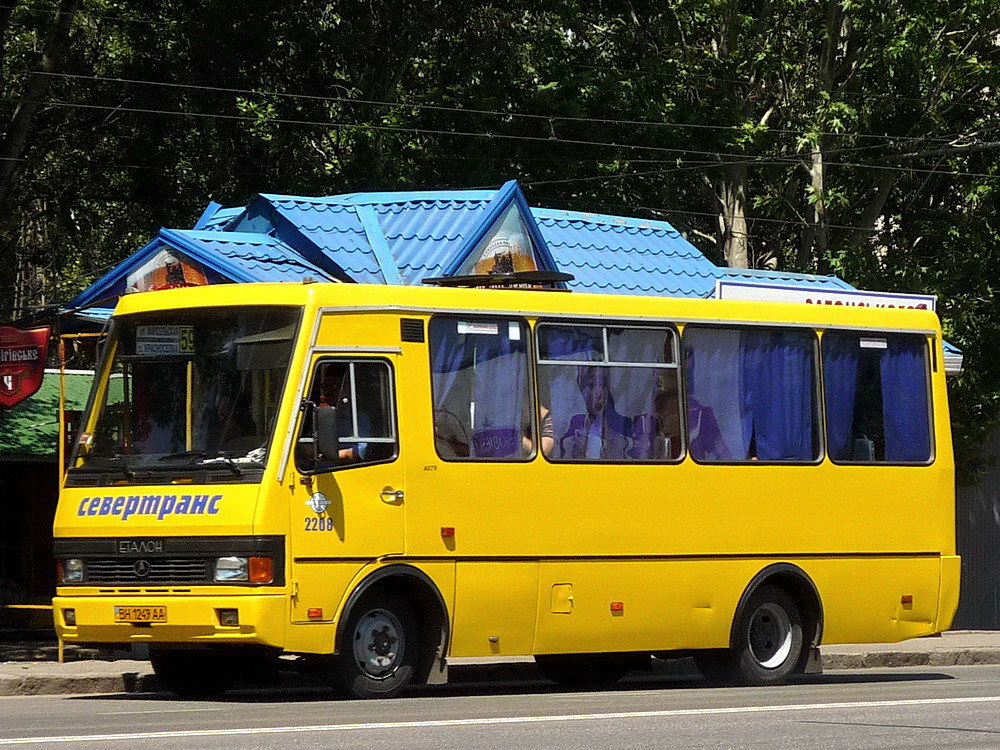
(378, 643)
(770, 635)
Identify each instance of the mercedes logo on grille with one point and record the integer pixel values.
(141, 568)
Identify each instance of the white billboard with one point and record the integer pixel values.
(754, 292)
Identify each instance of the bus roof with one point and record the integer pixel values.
(422, 300)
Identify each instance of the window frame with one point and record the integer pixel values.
(656, 325)
(928, 384)
(531, 385)
(818, 391)
(355, 438)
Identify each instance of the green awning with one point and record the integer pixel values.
(31, 429)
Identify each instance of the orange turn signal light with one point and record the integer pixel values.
(906, 599)
(314, 613)
(261, 569)
(447, 532)
(617, 606)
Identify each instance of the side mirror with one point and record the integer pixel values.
(327, 441)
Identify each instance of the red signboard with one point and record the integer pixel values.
(22, 363)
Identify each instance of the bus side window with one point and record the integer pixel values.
(609, 393)
(752, 394)
(877, 397)
(481, 387)
(361, 391)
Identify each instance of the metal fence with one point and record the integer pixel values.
(978, 529)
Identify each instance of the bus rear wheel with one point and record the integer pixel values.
(378, 655)
(191, 673)
(768, 644)
(583, 670)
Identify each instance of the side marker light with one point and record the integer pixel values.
(447, 532)
(315, 613)
(617, 606)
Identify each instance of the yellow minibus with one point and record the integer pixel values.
(390, 476)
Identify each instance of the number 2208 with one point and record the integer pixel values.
(319, 524)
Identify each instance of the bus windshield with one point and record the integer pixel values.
(188, 390)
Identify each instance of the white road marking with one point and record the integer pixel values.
(430, 723)
(159, 711)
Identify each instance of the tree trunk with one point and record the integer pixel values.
(819, 232)
(16, 138)
(733, 230)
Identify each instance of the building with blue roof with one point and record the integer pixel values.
(407, 237)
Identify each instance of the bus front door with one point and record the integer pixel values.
(354, 512)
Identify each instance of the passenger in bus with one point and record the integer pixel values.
(547, 429)
(601, 432)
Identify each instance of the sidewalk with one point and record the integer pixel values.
(32, 670)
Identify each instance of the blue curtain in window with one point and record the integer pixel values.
(840, 375)
(718, 427)
(564, 392)
(497, 365)
(500, 391)
(904, 400)
(778, 394)
(448, 355)
(633, 393)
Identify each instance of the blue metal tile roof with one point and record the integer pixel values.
(259, 256)
(335, 229)
(785, 278)
(424, 236)
(610, 254)
(222, 217)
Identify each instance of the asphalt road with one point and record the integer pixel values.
(913, 707)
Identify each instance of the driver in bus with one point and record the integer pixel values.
(335, 390)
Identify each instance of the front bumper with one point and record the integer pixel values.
(191, 619)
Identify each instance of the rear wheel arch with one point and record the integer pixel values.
(798, 585)
(431, 612)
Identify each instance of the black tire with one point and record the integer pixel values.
(583, 670)
(380, 648)
(768, 643)
(192, 673)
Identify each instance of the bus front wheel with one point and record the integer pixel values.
(768, 643)
(378, 656)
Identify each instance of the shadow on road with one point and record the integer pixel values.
(514, 679)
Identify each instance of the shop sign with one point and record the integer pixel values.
(749, 291)
(22, 363)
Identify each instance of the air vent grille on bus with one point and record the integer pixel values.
(412, 330)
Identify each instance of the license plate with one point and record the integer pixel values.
(140, 614)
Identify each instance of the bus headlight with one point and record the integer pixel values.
(231, 569)
(72, 570)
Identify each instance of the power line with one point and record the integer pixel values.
(776, 163)
(392, 128)
(749, 159)
(855, 94)
(550, 118)
(712, 215)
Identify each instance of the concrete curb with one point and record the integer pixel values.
(514, 670)
(126, 682)
(883, 659)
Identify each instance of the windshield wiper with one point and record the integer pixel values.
(208, 459)
(230, 464)
(183, 454)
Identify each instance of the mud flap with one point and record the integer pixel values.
(814, 664)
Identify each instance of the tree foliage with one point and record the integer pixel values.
(856, 137)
